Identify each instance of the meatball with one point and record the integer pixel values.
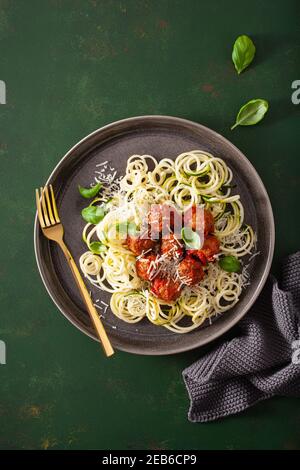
(190, 271)
(139, 245)
(146, 267)
(199, 219)
(209, 224)
(166, 289)
(162, 218)
(211, 247)
(171, 247)
(198, 254)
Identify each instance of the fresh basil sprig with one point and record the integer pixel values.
(88, 193)
(93, 214)
(251, 113)
(243, 53)
(97, 247)
(191, 239)
(230, 264)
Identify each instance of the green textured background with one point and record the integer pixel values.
(70, 67)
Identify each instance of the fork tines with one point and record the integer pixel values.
(46, 207)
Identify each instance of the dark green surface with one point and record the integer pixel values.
(70, 67)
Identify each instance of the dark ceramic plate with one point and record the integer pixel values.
(160, 136)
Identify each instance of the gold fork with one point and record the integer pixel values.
(53, 229)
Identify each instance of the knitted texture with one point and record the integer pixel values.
(257, 364)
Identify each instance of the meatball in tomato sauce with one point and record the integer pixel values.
(171, 247)
(190, 271)
(146, 267)
(166, 289)
(139, 245)
(210, 248)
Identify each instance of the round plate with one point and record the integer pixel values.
(160, 136)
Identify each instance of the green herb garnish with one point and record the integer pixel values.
(243, 53)
(251, 113)
(93, 214)
(88, 193)
(191, 239)
(230, 264)
(97, 247)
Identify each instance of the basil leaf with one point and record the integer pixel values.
(191, 239)
(88, 193)
(251, 113)
(97, 247)
(230, 264)
(127, 227)
(243, 53)
(93, 214)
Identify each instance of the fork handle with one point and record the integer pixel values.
(108, 349)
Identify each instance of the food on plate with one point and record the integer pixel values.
(146, 267)
(210, 248)
(169, 240)
(139, 245)
(198, 219)
(171, 247)
(166, 288)
(190, 271)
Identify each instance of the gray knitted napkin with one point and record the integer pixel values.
(262, 361)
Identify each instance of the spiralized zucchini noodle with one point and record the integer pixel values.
(194, 177)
